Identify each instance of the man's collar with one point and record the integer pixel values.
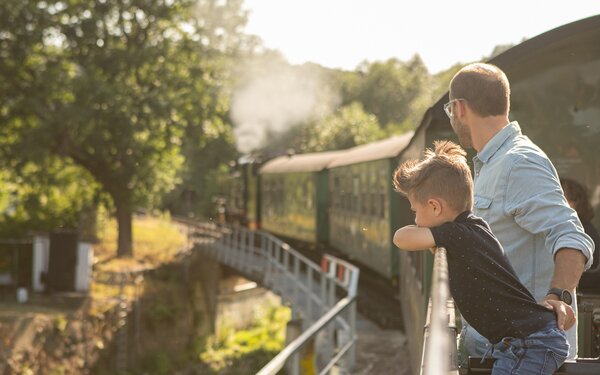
(498, 140)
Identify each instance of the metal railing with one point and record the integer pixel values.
(311, 291)
(439, 340)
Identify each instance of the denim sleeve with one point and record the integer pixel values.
(536, 201)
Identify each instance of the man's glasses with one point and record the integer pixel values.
(448, 106)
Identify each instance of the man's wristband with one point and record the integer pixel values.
(562, 294)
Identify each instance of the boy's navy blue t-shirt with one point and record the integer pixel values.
(483, 283)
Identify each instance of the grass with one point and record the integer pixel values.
(156, 241)
(246, 351)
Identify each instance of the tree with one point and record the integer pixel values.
(348, 127)
(208, 145)
(45, 195)
(111, 85)
(393, 90)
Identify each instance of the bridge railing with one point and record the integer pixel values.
(440, 329)
(322, 297)
(440, 334)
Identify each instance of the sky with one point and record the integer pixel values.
(344, 33)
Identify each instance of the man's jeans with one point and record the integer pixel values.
(540, 353)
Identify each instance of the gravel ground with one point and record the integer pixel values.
(380, 351)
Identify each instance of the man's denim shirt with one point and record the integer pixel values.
(517, 191)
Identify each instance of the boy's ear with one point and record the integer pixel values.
(436, 205)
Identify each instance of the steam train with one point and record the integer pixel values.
(345, 198)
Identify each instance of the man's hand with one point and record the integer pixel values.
(565, 315)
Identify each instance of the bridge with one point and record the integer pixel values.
(322, 297)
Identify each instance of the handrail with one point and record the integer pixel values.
(437, 338)
(280, 359)
(332, 264)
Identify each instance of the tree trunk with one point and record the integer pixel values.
(124, 222)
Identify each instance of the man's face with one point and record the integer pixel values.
(461, 130)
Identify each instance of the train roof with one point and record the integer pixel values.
(313, 162)
(573, 40)
(384, 149)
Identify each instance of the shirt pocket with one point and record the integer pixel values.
(482, 205)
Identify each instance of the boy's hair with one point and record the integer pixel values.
(484, 87)
(442, 173)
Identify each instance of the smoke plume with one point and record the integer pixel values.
(274, 97)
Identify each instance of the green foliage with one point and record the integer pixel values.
(393, 90)
(43, 196)
(254, 346)
(441, 80)
(349, 126)
(157, 242)
(160, 312)
(158, 363)
(116, 87)
(60, 324)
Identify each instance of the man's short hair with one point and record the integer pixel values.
(485, 88)
(443, 173)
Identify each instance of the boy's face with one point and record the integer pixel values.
(427, 215)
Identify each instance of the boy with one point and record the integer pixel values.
(525, 337)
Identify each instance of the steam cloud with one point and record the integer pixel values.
(276, 98)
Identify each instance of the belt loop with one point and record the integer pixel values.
(490, 349)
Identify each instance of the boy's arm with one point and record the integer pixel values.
(413, 238)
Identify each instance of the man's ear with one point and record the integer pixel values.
(436, 205)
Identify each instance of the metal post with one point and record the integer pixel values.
(252, 256)
(266, 255)
(269, 250)
(330, 303)
(309, 283)
(279, 274)
(296, 279)
(352, 322)
(323, 280)
(286, 268)
(242, 251)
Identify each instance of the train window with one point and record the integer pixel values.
(309, 195)
(337, 192)
(374, 205)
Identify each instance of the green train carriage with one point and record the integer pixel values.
(362, 215)
(296, 196)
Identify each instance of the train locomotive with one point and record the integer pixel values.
(345, 198)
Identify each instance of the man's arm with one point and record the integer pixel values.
(539, 206)
(414, 238)
(568, 267)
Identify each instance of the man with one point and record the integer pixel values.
(517, 191)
